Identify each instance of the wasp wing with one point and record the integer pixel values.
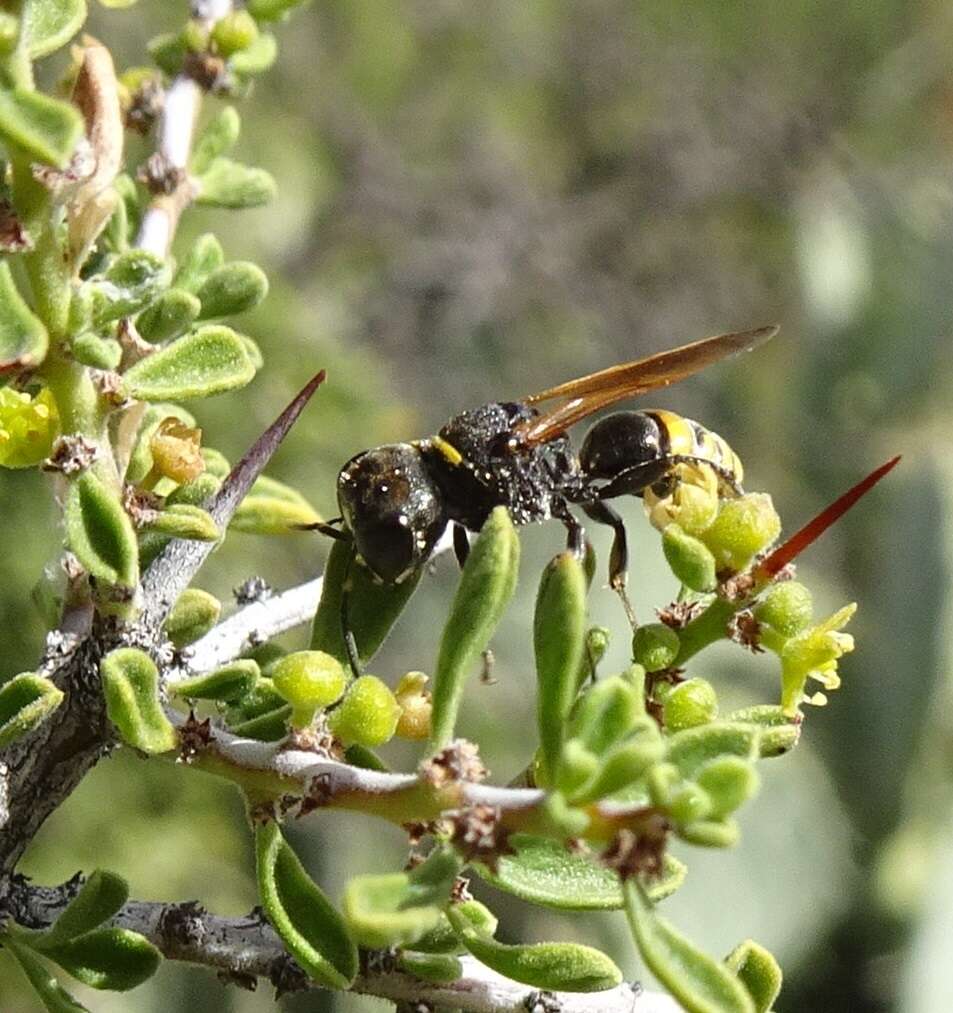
(589, 394)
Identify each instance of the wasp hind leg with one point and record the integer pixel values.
(347, 634)
(602, 513)
(461, 544)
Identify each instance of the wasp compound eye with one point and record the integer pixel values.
(619, 442)
(393, 508)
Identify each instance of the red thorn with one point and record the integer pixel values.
(813, 530)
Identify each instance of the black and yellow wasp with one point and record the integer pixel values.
(397, 500)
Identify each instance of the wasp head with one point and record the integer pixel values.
(393, 508)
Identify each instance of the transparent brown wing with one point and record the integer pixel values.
(591, 393)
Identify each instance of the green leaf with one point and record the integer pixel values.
(231, 682)
(272, 10)
(50, 24)
(131, 688)
(381, 911)
(372, 610)
(204, 257)
(54, 997)
(565, 967)
(443, 939)
(700, 983)
(231, 289)
(23, 338)
(132, 281)
(437, 968)
(117, 4)
(486, 586)
(169, 316)
(184, 520)
(759, 973)
(309, 925)
(729, 782)
(722, 833)
(101, 896)
(192, 616)
(100, 533)
(26, 701)
(115, 959)
(559, 634)
(207, 361)
(692, 748)
(268, 727)
(92, 349)
(543, 871)
(689, 559)
(606, 713)
(624, 763)
(779, 733)
(272, 508)
(228, 184)
(168, 50)
(218, 138)
(256, 58)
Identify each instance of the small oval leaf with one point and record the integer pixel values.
(486, 587)
(218, 138)
(208, 361)
(272, 508)
(184, 520)
(26, 701)
(45, 128)
(692, 748)
(100, 533)
(101, 896)
(228, 184)
(169, 316)
(204, 257)
(543, 871)
(565, 967)
(233, 288)
(52, 994)
(192, 616)
(229, 683)
(115, 959)
(758, 971)
(437, 968)
(700, 983)
(23, 338)
(559, 634)
(307, 922)
(132, 281)
(49, 24)
(131, 688)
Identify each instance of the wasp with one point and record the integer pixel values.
(396, 501)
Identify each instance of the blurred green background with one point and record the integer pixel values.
(481, 199)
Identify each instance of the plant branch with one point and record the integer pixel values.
(247, 948)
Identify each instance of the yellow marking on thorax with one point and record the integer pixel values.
(449, 452)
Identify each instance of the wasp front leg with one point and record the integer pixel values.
(602, 513)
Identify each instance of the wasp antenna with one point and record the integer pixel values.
(814, 528)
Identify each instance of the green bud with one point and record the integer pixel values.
(182, 520)
(204, 257)
(91, 349)
(559, 631)
(131, 688)
(655, 646)
(309, 681)
(787, 608)
(486, 587)
(208, 361)
(233, 288)
(367, 715)
(416, 706)
(690, 559)
(23, 337)
(743, 527)
(233, 33)
(231, 682)
(312, 930)
(44, 128)
(228, 184)
(132, 281)
(691, 502)
(597, 643)
(729, 782)
(100, 533)
(169, 316)
(26, 701)
(192, 616)
(690, 703)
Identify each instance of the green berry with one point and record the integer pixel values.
(655, 646)
(234, 32)
(308, 680)
(691, 703)
(367, 715)
(786, 608)
(742, 529)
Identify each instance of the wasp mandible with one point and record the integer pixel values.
(397, 500)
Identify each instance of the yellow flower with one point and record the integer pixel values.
(814, 654)
(691, 502)
(28, 427)
(177, 451)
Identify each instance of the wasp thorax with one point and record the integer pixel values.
(393, 509)
(620, 442)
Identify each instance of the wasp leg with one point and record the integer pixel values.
(326, 528)
(602, 513)
(723, 473)
(350, 644)
(633, 481)
(575, 532)
(461, 544)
